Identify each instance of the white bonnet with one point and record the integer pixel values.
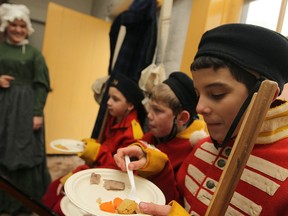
(10, 12)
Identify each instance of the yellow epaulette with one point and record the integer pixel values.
(136, 129)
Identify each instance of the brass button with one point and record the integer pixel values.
(210, 184)
(221, 163)
(227, 151)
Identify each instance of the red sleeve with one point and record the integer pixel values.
(105, 159)
(165, 180)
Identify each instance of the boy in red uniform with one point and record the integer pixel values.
(231, 62)
(174, 126)
(172, 119)
(124, 124)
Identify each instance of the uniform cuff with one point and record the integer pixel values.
(91, 151)
(177, 209)
(156, 160)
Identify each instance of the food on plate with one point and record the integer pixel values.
(120, 206)
(113, 185)
(95, 178)
(107, 207)
(60, 146)
(111, 205)
(117, 201)
(99, 200)
(108, 184)
(127, 207)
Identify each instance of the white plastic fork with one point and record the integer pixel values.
(132, 195)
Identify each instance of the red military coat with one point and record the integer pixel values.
(99, 155)
(263, 187)
(179, 147)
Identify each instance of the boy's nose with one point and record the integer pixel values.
(202, 107)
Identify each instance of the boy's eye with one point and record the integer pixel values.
(156, 110)
(114, 98)
(218, 96)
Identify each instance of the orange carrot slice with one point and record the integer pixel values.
(107, 207)
(117, 201)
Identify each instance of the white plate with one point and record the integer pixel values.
(69, 145)
(68, 208)
(84, 195)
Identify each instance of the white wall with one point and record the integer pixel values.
(179, 24)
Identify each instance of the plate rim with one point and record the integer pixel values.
(68, 183)
(53, 142)
(65, 200)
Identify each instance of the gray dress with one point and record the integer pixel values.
(22, 150)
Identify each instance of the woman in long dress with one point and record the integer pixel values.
(24, 86)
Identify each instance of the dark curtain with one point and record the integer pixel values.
(137, 49)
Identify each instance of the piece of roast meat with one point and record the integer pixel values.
(95, 178)
(113, 185)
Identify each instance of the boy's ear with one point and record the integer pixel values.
(183, 117)
(130, 107)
